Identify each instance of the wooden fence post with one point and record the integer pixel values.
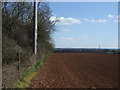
(18, 55)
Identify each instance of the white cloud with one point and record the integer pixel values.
(117, 19)
(83, 37)
(68, 21)
(53, 18)
(110, 16)
(65, 21)
(95, 21)
(66, 30)
(102, 20)
(89, 20)
(66, 38)
(118, 16)
(71, 21)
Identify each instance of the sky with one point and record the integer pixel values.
(85, 24)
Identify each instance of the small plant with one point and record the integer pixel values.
(39, 63)
(26, 77)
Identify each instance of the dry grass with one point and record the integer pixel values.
(26, 77)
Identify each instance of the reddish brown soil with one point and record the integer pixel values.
(78, 70)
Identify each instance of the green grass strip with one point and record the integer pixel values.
(26, 77)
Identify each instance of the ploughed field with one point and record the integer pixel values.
(78, 70)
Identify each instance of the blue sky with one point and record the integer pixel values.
(85, 24)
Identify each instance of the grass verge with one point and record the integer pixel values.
(25, 78)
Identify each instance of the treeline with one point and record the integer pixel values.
(18, 38)
(18, 30)
(85, 50)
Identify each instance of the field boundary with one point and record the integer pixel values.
(86, 50)
(25, 78)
